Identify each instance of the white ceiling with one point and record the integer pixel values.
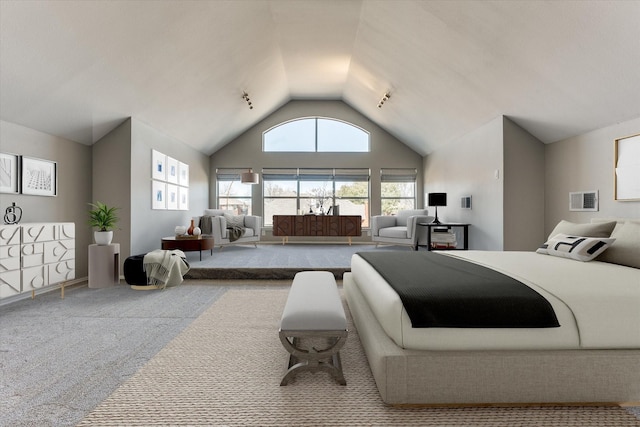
(77, 69)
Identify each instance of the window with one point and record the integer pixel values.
(300, 191)
(397, 190)
(315, 134)
(232, 194)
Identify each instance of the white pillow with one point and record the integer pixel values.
(575, 247)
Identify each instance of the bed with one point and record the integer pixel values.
(592, 357)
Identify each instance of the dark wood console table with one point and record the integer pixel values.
(317, 225)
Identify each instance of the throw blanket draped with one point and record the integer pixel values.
(235, 233)
(165, 268)
(441, 291)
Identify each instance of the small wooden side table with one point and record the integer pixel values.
(187, 245)
(104, 265)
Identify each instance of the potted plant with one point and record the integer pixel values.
(104, 218)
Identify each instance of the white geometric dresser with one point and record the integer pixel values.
(36, 255)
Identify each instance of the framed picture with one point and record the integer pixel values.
(172, 196)
(158, 195)
(627, 168)
(39, 177)
(158, 166)
(9, 173)
(172, 170)
(183, 198)
(183, 174)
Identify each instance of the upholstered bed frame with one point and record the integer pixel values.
(500, 376)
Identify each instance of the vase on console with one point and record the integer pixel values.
(191, 227)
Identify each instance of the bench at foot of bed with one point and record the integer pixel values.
(313, 327)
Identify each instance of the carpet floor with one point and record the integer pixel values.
(226, 366)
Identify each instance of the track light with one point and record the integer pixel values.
(245, 96)
(384, 99)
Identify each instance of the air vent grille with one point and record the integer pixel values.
(583, 201)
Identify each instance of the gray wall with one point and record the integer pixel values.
(111, 178)
(500, 166)
(148, 226)
(523, 189)
(467, 167)
(74, 183)
(122, 177)
(386, 151)
(584, 163)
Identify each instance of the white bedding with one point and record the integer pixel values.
(597, 305)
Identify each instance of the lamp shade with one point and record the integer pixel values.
(249, 178)
(437, 199)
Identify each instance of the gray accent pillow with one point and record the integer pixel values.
(626, 249)
(234, 220)
(601, 229)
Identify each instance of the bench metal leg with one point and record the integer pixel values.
(312, 359)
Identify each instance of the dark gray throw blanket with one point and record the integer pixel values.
(235, 233)
(446, 292)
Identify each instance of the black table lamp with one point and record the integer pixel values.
(437, 199)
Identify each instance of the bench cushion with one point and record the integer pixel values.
(314, 304)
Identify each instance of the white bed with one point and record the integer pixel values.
(594, 356)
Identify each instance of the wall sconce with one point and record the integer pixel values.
(384, 99)
(437, 199)
(249, 177)
(245, 96)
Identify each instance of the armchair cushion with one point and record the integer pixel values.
(234, 220)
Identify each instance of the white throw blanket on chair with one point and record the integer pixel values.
(165, 268)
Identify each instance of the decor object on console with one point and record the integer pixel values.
(214, 223)
(104, 218)
(191, 227)
(399, 229)
(437, 199)
(180, 230)
(13, 214)
(36, 255)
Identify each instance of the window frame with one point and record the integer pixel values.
(317, 142)
(398, 175)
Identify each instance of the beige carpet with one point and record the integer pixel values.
(225, 370)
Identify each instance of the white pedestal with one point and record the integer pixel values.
(104, 265)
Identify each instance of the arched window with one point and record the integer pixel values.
(316, 134)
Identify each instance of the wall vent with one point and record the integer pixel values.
(583, 201)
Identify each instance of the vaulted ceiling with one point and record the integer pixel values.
(77, 69)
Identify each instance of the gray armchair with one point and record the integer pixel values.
(220, 224)
(399, 229)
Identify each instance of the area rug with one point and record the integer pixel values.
(225, 370)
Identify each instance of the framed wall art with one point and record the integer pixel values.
(183, 198)
(158, 195)
(172, 197)
(172, 170)
(158, 165)
(9, 173)
(627, 168)
(39, 177)
(183, 174)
